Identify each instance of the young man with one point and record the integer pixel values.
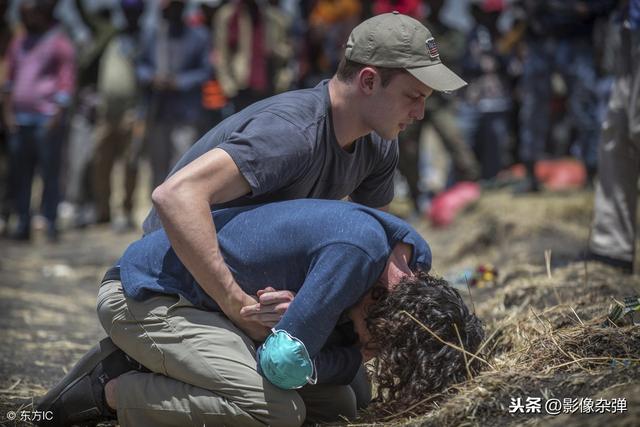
(344, 262)
(334, 141)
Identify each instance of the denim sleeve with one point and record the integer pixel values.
(339, 276)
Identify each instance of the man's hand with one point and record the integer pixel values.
(270, 308)
(254, 330)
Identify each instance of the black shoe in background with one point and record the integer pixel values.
(624, 266)
(529, 185)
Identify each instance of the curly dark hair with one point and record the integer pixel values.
(411, 364)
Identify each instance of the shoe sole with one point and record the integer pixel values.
(85, 365)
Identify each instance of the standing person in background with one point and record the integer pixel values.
(118, 116)
(81, 145)
(253, 51)
(172, 67)
(613, 233)
(215, 104)
(559, 38)
(40, 85)
(5, 180)
(484, 111)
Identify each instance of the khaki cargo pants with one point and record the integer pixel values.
(203, 370)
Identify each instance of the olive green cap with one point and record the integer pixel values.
(394, 40)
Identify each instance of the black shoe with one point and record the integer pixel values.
(625, 267)
(78, 399)
(52, 234)
(20, 237)
(527, 186)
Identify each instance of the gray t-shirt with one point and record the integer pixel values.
(286, 148)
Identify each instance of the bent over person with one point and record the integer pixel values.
(351, 267)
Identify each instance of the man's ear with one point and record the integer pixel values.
(367, 79)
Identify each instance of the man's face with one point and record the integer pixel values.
(396, 106)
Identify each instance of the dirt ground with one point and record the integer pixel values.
(544, 338)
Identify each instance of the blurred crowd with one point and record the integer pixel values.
(86, 84)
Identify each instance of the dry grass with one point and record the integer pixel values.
(554, 352)
(543, 321)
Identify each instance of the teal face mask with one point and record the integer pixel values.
(285, 362)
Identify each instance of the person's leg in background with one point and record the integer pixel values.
(468, 119)
(107, 138)
(183, 134)
(49, 139)
(614, 226)
(133, 135)
(576, 62)
(22, 157)
(444, 120)
(79, 153)
(6, 180)
(534, 109)
(114, 135)
(494, 142)
(158, 145)
(408, 161)
(131, 158)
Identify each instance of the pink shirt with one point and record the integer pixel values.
(41, 72)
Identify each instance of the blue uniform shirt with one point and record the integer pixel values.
(329, 252)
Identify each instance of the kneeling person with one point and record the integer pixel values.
(343, 261)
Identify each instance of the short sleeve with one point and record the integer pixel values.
(269, 151)
(376, 190)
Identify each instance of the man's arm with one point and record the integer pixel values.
(338, 277)
(183, 205)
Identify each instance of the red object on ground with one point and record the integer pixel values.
(561, 174)
(448, 204)
(555, 174)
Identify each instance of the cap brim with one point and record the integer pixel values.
(438, 77)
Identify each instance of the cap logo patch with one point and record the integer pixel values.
(432, 48)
